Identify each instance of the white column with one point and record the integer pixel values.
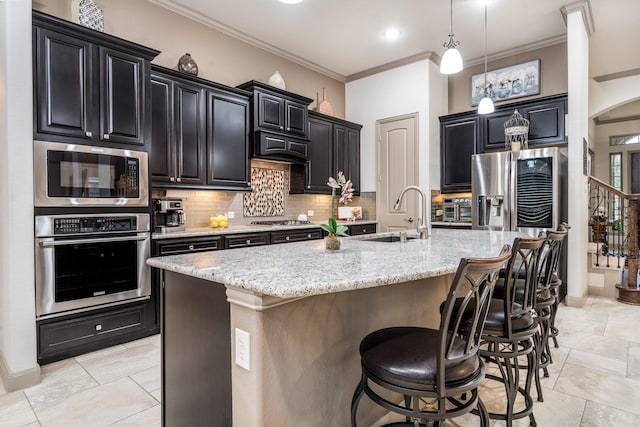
(578, 30)
(18, 358)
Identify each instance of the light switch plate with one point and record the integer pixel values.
(243, 349)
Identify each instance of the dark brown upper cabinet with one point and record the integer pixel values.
(200, 135)
(458, 142)
(280, 123)
(228, 150)
(88, 85)
(546, 122)
(334, 145)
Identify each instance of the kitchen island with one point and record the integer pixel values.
(305, 310)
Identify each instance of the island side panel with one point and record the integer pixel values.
(196, 353)
(304, 354)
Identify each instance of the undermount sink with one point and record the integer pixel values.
(392, 238)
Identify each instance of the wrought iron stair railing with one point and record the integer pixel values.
(613, 232)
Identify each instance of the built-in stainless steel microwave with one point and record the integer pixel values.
(83, 175)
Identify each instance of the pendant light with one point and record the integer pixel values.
(451, 60)
(486, 104)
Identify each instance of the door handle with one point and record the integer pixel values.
(410, 219)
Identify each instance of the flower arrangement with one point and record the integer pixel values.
(346, 193)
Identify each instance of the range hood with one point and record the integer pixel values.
(278, 147)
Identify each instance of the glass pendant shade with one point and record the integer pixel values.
(451, 61)
(486, 105)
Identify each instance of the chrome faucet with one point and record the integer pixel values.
(422, 226)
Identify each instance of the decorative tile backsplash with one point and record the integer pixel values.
(267, 195)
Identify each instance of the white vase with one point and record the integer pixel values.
(276, 80)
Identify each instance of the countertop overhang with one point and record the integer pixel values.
(303, 269)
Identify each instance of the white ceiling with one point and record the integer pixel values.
(343, 37)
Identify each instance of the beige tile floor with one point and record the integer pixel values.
(594, 380)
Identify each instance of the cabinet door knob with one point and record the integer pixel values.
(105, 136)
(191, 247)
(288, 129)
(287, 238)
(308, 236)
(98, 327)
(88, 134)
(364, 230)
(179, 179)
(172, 179)
(281, 127)
(248, 242)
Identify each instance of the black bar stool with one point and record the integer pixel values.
(545, 302)
(554, 286)
(510, 326)
(435, 372)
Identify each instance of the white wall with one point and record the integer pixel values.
(417, 87)
(18, 365)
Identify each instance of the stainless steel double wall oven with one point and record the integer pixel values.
(92, 227)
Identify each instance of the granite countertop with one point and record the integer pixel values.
(305, 268)
(248, 228)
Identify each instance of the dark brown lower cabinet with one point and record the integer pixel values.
(196, 353)
(295, 235)
(63, 337)
(359, 229)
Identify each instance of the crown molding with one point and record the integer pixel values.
(599, 121)
(225, 29)
(584, 7)
(429, 55)
(551, 41)
(618, 75)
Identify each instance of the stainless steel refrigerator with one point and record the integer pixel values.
(519, 190)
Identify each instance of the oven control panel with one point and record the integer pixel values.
(93, 224)
(67, 225)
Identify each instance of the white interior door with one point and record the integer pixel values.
(397, 148)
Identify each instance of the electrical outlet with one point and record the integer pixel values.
(243, 349)
(231, 214)
(309, 213)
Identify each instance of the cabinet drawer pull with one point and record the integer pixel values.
(88, 134)
(98, 327)
(105, 136)
(191, 247)
(248, 242)
(287, 238)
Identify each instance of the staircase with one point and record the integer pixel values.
(613, 235)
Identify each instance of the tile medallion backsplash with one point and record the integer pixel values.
(267, 194)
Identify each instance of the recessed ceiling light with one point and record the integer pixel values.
(392, 34)
(291, 1)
